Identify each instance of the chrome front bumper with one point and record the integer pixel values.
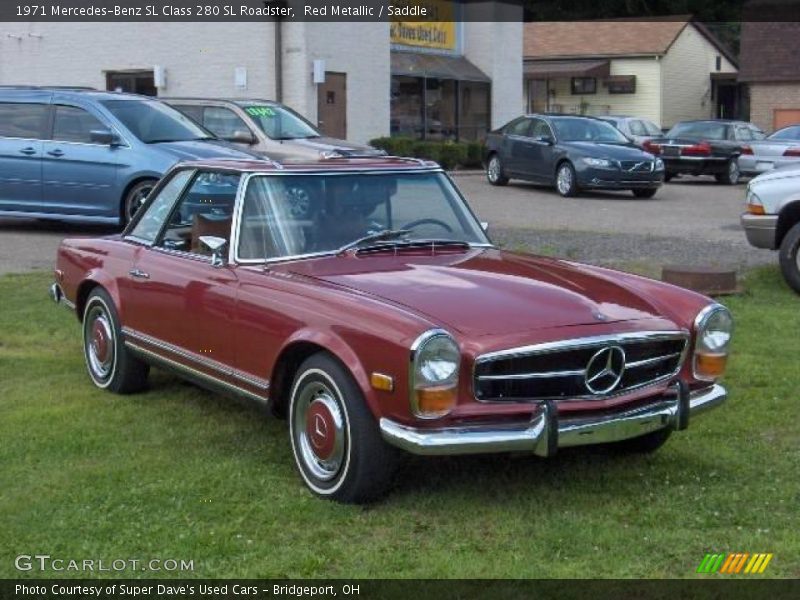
(545, 432)
(760, 230)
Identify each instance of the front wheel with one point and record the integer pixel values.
(731, 174)
(110, 364)
(566, 181)
(336, 443)
(790, 257)
(494, 171)
(645, 193)
(135, 199)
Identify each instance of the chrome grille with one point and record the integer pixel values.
(558, 370)
(636, 166)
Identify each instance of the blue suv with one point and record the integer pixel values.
(91, 156)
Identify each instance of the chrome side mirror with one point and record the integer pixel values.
(217, 246)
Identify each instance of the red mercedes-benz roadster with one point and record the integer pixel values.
(374, 312)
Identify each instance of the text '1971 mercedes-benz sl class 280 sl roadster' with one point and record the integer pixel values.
(383, 320)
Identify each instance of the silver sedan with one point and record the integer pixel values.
(779, 149)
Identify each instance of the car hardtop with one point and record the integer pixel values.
(321, 165)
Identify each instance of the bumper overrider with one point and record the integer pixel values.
(545, 432)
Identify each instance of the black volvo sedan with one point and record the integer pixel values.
(571, 152)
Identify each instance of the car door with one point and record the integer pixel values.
(80, 174)
(23, 125)
(178, 303)
(539, 151)
(515, 141)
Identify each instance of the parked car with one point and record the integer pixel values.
(638, 129)
(710, 147)
(779, 149)
(772, 218)
(572, 153)
(85, 155)
(387, 322)
(266, 127)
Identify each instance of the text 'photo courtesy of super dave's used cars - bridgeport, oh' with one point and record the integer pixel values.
(364, 320)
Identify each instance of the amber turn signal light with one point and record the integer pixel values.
(710, 366)
(435, 401)
(755, 209)
(384, 383)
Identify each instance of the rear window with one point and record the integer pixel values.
(791, 134)
(26, 121)
(705, 130)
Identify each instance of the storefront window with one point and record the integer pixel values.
(449, 109)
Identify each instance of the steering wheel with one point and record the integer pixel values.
(419, 222)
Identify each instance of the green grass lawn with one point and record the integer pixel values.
(181, 473)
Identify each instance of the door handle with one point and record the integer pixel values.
(55, 152)
(139, 274)
(28, 151)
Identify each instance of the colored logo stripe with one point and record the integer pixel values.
(734, 562)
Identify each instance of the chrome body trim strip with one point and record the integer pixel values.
(651, 361)
(221, 368)
(542, 375)
(537, 435)
(158, 358)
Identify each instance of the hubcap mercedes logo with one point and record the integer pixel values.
(604, 370)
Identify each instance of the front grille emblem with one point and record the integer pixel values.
(604, 370)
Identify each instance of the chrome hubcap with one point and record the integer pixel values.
(318, 429)
(564, 180)
(138, 199)
(494, 169)
(99, 341)
(299, 202)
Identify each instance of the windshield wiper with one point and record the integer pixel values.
(380, 236)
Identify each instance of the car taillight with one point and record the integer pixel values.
(792, 152)
(747, 150)
(651, 147)
(701, 149)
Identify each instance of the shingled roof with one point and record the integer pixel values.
(769, 52)
(617, 37)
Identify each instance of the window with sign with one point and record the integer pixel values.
(280, 123)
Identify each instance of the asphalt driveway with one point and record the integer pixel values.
(690, 221)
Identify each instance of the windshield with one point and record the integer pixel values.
(152, 121)
(789, 134)
(707, 130)
(280, 123)
(577, 129)
(295, 215)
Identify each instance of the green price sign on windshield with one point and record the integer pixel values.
(260, 111)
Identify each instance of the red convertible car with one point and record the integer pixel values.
(384, 320)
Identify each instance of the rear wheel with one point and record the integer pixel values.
(731, 174)
(336, 442)
(644, 193)
(566, 181)
(494, 171)
(135, 198)
(110, 364)
(790, 257)
(668, 176)
(644, 444)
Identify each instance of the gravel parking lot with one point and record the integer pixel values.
(690, 221)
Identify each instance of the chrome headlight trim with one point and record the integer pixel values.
(416, 350)
(700, 323)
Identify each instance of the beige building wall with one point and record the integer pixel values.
(646, 102)
(686, 72)
(766, 97)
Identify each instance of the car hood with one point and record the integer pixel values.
(613, 151)
(329, 144)
(200, 149)
(784, 172)
(484, 291)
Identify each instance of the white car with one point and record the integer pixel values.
(772, 219)
(779, 149)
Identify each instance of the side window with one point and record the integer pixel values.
(72, 124)
(192, 111)
(223, 122)
(540, 129)
(757, 133)
(637, 127)
(155, 214)
(25, 121)
(651, 128)
(521, 127)
(205, 208)
(744, 134)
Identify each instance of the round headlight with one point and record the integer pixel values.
(713, 330)
(435, 361)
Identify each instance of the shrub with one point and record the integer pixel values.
(449, 154)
